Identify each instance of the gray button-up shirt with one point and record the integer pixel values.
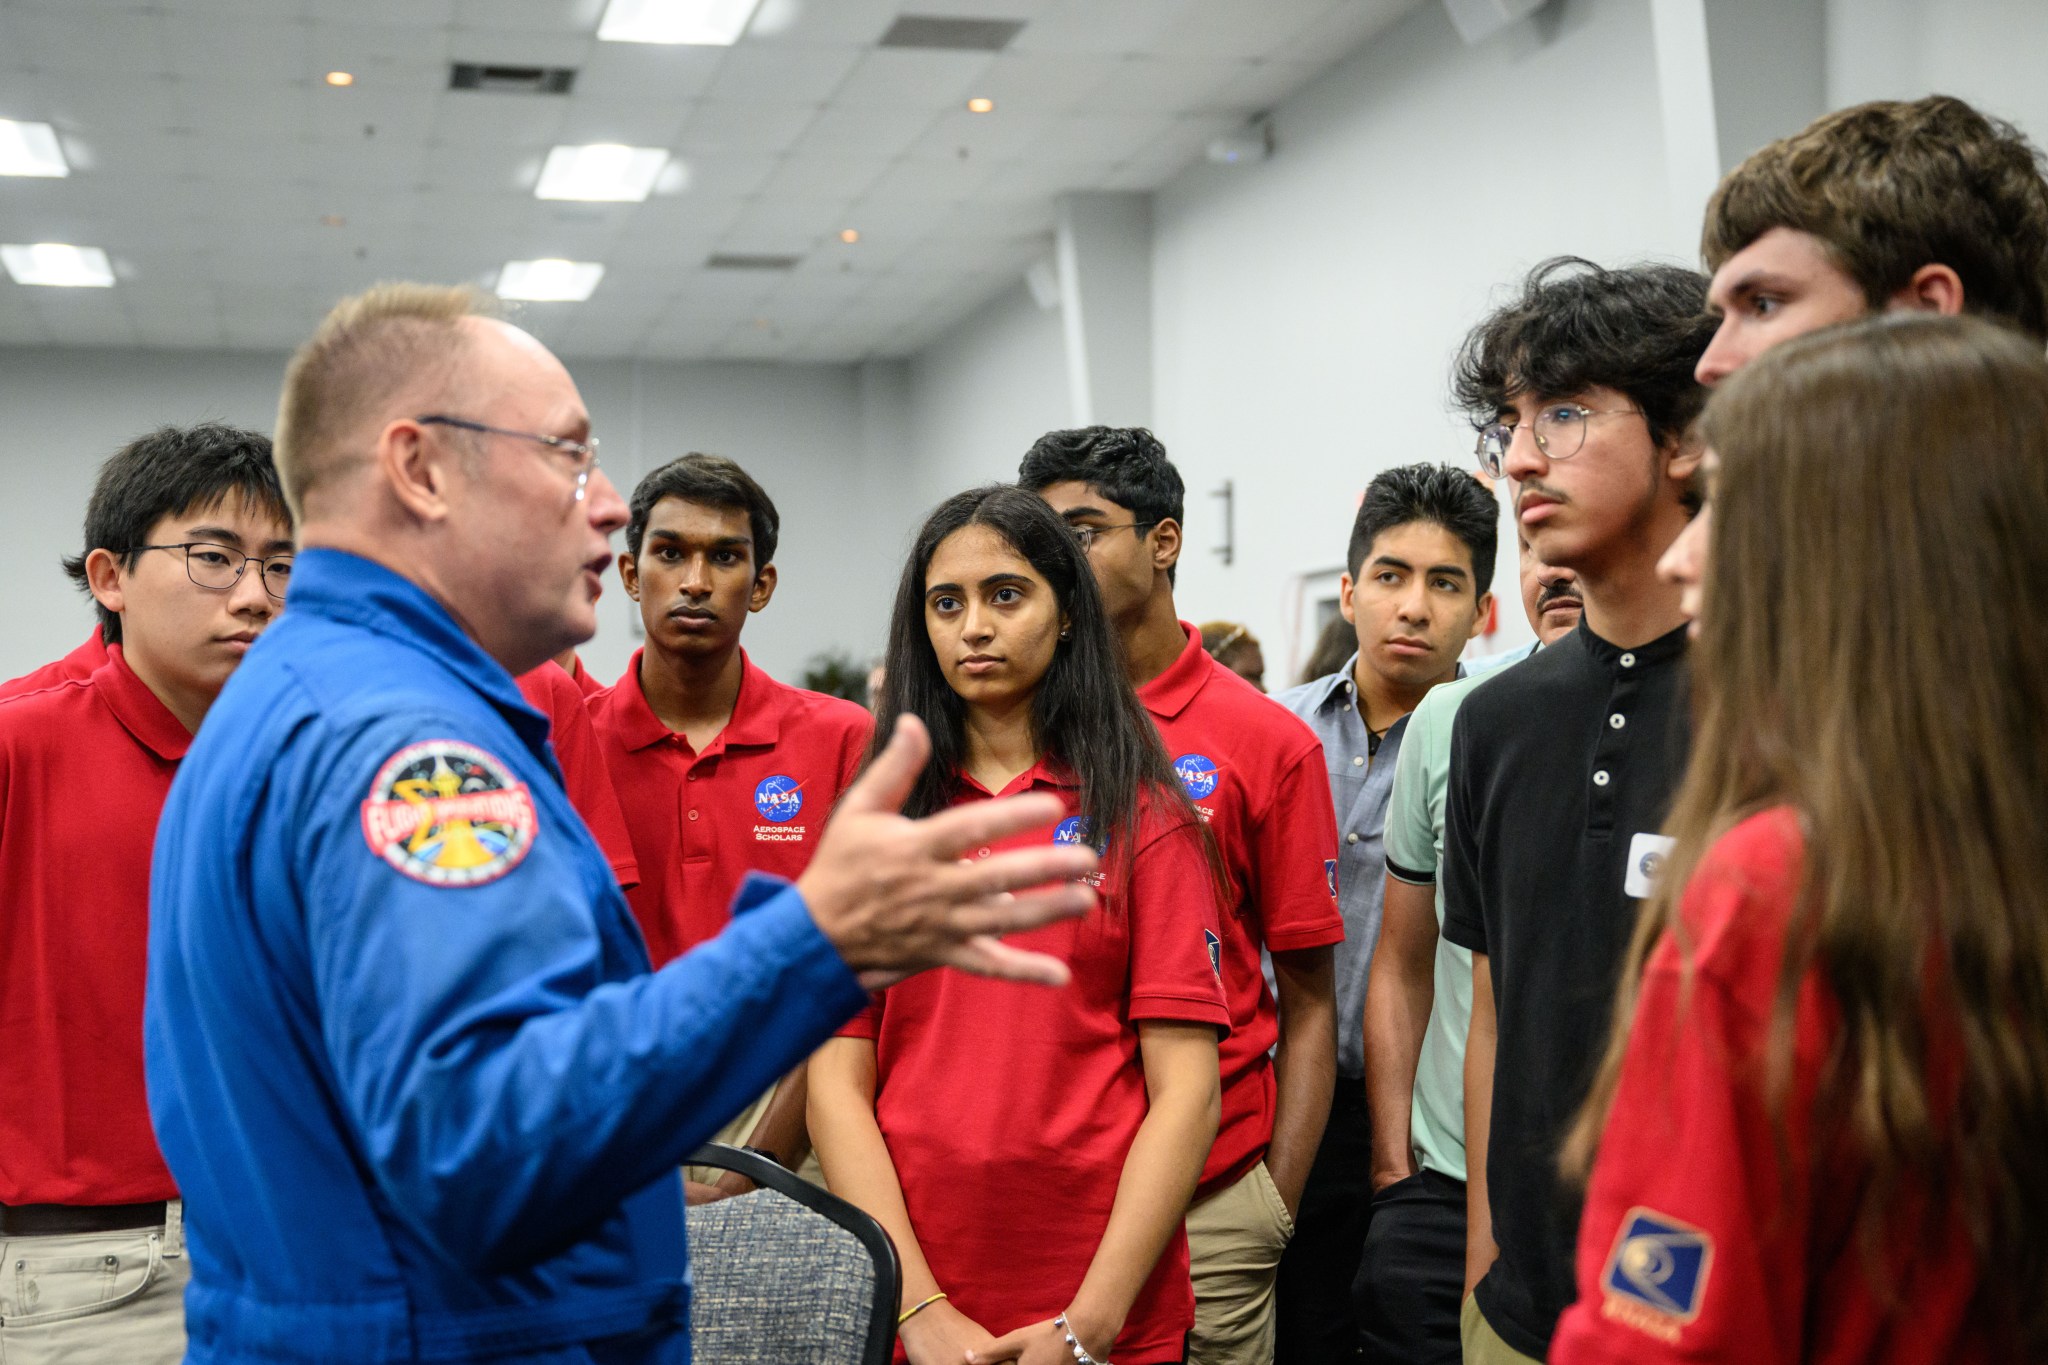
(1360, 782)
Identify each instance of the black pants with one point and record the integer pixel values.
(1313, 1322)
(1411, 1283)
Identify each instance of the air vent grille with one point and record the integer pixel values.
(951, 35)
(512, 80)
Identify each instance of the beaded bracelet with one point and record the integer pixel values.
(912, 1311)
(1081, 1356)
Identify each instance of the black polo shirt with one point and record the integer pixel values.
(1562, 770)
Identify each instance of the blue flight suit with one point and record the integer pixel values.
(422, 1094)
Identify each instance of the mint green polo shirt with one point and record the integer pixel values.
(1414, 849)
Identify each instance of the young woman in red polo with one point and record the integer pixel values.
(1032, 1153)
(1826, 1105)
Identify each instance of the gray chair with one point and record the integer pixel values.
(789, 1274)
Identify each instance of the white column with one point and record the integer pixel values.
(1104, 253)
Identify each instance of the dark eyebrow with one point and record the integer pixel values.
(995, 578)
(1085, 511)
(219, 535)
(1392, 562)
(279, 547)
(663, 533)
(1448, 571)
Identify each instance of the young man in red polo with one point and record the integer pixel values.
(720, 769)
(1256, 775)
(187, 553)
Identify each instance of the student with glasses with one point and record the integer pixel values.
(188, 552)
(1562, 768)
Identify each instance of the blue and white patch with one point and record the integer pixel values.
(1197, 774)
(1660, 1265)
(1330, 875)
(1072, 830)
(1646, 854)
(779, 799)
(1215, 952)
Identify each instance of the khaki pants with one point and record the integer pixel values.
(1235, 1238)
(1483, 1345)
(101, 1298)
(735, 1134)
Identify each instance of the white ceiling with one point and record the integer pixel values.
(207, 150)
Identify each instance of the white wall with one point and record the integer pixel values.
(798, 429)
(980, 395)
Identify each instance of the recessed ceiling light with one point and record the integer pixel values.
(58, 264)
(602, 172)
(850, 236)
(981, 104)
(711, 23)
(30, 149)
(340, 78)
(549, 281)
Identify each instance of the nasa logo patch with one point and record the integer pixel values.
(448, 814)
(1215, 952)
(1330, 874)
(1072, 830)
(779, 799)
(1656, 1276)
(1197, 774)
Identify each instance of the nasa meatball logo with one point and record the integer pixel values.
(1072, 830)
(1197, 774)
(780, 799)
(448, 814)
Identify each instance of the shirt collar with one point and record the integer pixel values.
(1169, 694)
(1339, 687)
(756, 713)
(138, 709)
(361, 592)
(1663, 649)
(1046, 772)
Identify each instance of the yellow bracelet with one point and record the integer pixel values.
(907, 1314)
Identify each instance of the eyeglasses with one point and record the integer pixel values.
(584, 453)
(1559, 429)
(220, 567)
(1086, 532)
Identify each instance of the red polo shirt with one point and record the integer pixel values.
(1009, 1109)
(79, 663)
(585, 682)
(554, 694)
(756, 799)
(1255, 773)
(85, 765)
(1706, 1237)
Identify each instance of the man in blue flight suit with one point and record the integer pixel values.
(405, 1056)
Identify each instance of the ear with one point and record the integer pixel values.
(1344, 607)
(1482, 612)
(764, 588)
(1683, 464)
(418, 472)
(1066, 627)
(629, 574)
(105, 576)
(1166, 543)
(1934, 288)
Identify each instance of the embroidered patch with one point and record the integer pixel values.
(1656, 1276)
(780, 799)
(448, 814)
(1330, 874)
(1215, 952)
(1072, 830)
(1197, 774)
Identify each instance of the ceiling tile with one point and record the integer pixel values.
(473, 118)
(377, 55)
(1028, 82)
(1231, 28)
(1091, 27)
(825, 177)
(858, 22)
(893, 78)
(1171, 85)
(554, 16)
(951, 178)
(107, 42)
(786, 73)
(408, 13)
(885, 133)
(521, 47)
(246, 49)
(723, 127)
(638, 123)
(652, 72)
(1343, 26)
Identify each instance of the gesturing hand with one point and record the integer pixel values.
(894, 897)
(1042, 1343)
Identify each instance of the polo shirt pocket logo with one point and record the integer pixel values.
(448, 814)
(1646, 854)
(779, 799)
(1197, 774)
(1656, 1276)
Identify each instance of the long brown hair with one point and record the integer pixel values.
(1873, 652)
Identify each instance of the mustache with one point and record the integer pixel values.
(1564, 591)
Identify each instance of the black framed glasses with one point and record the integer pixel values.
(220, 567)
(1559, 429)
(584, 453)
(1086, 532)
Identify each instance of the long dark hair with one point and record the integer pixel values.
(1084, 715)
(1874, 653)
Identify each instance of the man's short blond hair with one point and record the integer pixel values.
(390, 339)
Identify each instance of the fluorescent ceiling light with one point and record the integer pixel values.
(30, 149)
(56, 263)
(549, 281)
(604, 171)
(712, 23)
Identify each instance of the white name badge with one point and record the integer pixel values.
(1646, 854)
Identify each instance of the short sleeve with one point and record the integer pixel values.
(1294, 859)
(551, 691)
(1175, 941)
(1464, 894)
(1411, 827)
